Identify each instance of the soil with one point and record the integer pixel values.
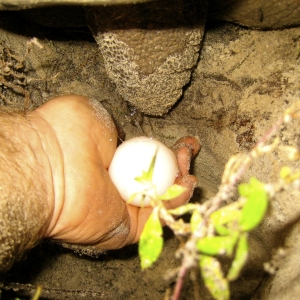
(244, 80)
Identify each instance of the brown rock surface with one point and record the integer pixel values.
(268, 14)
(25, 4)
(150, 49)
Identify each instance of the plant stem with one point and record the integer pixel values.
(179, 282)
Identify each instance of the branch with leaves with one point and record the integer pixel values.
(216, 229)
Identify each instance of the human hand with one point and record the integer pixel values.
(79, 140)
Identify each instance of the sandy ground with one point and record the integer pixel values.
(244, 80)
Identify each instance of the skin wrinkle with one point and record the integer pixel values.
(35, 155)
(57, 144)
(122, 231)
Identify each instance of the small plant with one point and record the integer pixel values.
(216, 229)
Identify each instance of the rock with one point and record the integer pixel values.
(21, 4)
(150, 49)
(269, 14)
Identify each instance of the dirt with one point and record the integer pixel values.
(244, 80)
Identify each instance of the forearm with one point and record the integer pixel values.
(24, 210)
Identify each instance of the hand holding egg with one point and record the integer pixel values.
(86, 208)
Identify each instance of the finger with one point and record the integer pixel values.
(192, 142)
(189, 182)
(185, 149)
(138, 217)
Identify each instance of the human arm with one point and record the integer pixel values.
(72, 142)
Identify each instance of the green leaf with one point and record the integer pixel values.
(143, 178)
(183, 209)
(131, 198)
(147, 175)
(151, 241)
(256, 204)
(196, 220)
(172, 192)
(151, 167)
(222, 230)
(240, 259)
(217, 245)
(225, 219)
(213, 277)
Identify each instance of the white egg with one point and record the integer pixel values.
(133, 157)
